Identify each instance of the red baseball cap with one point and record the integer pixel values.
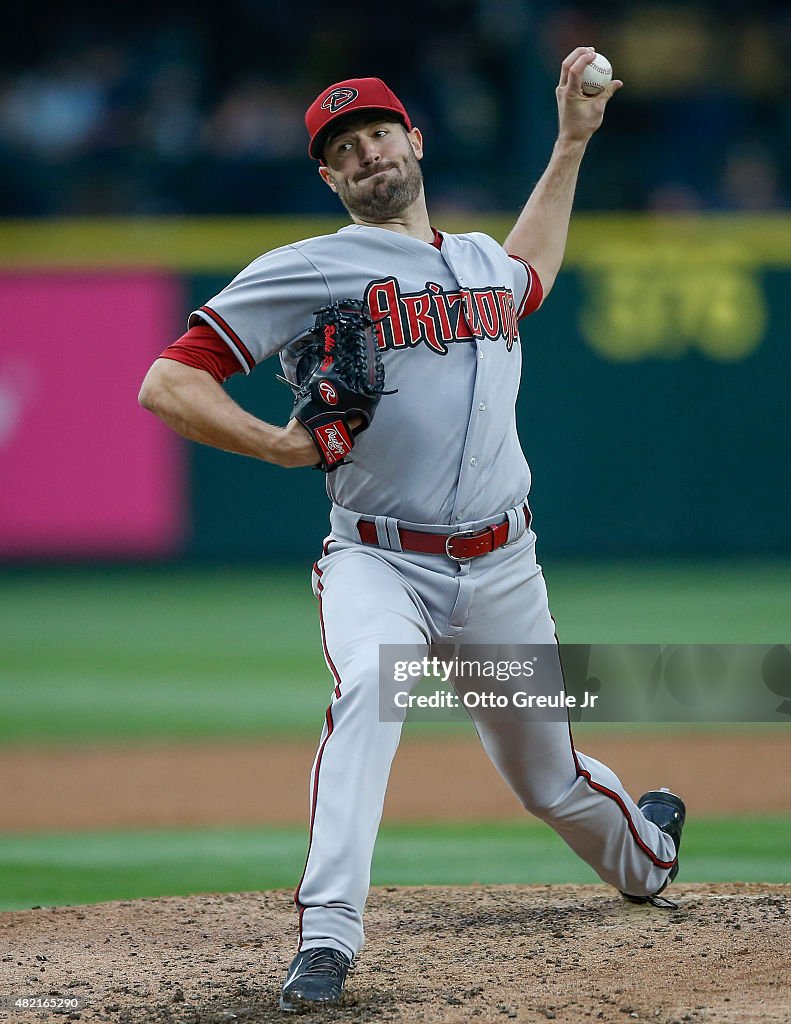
(345, 97)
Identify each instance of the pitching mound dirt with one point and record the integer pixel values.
(496, 953)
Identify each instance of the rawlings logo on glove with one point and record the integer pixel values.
(340, 378)
(328, 392)
(333, 442)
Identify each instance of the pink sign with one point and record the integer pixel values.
(83, 469)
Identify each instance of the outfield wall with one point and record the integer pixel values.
(654, 408)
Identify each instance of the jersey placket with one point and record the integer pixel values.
(469, 471)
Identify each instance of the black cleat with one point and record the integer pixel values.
(315, 977)
(668, 813)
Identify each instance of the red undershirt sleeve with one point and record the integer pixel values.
(204, 349)
(534, 293)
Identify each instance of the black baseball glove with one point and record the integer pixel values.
(339, 377)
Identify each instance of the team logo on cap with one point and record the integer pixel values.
(338, 99)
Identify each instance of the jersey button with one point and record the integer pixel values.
(482, 406)
(473, 461)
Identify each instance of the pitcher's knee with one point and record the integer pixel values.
(546, 804)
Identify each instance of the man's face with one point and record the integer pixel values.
(373, 166)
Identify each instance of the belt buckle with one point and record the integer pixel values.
(452, 537)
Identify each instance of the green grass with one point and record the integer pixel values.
(179, 654)
(157, 654)
(50, 870)
(672, 602)
(154, 653)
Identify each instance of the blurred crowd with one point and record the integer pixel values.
(182, 109)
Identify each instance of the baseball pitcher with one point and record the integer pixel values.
(402, 345)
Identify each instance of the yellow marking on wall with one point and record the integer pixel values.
(228, 243)
(654, 310)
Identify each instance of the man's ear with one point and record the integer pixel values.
(416, 142)
(326, 176)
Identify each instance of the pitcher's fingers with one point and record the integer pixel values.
(577, 70)
(575, 55)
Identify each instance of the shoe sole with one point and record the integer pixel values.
(296, 1004)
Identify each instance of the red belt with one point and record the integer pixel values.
(459, 546)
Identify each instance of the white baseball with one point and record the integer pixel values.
(597, 75)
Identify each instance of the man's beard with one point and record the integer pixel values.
(390, 195)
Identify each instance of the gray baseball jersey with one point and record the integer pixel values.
(442, 453)
(447, 328)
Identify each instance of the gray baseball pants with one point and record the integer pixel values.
(371, 596)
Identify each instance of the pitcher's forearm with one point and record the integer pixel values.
(540, 233)
(193, 404)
